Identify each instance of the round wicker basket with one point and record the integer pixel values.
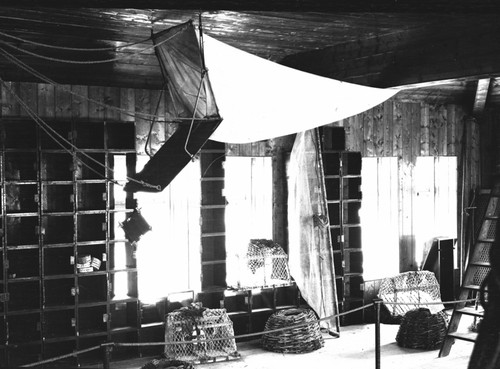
(420, 329)
(301, 339)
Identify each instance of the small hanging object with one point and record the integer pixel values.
(135, 226)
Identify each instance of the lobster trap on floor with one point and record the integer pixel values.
(265, 264)
(200, 335)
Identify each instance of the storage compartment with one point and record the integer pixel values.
(351, 212)
(213, 275)
(23, 263)
(60, 130)
(128, 352)
(353, 262)
(24, 295)
(122, 256)
(352, 237)
(59, 292)
(213, 248)
(336, 238)
(211, 163)
(351, 163)
(55, 349)
(91, 196)
(287, 297)
(92, 288)
(213, 220)
(56, 166)
(89, 135)
(22, 198)
(24, 328)
(332, 189)
(262, 300)
(353, 286)
(120, 136)
(334, 213)
(236, 302)
(211, 300)
(58, 261)
(59, 324)
(58, 229)
(331, 163)
(92, 320)
(20, 134)
(212, 193)
(91, 227)
(98, 257)
(352, 188)
(24, 354)
(124, 315)
(93, 356)
(90, 165)
(22, 231)
(20, 166)
(57, 197)
(124, 285)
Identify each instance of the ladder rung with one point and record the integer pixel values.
(472, 287)
(490, 240)
(480, 263)
(470, 310)
(468, 336)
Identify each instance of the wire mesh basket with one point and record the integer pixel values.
(265, 264)
(296, 339)
(420, 329)
(411, 289)
(199, 335)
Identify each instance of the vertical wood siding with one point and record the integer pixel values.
(407, 130)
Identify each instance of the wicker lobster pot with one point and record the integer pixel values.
(420, 329)
(301, 339)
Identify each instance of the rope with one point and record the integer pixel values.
(86, 61)
(139, 344)
(428, 303)
(46, 79)
(75, 48)
(56, 137)
(74, 353)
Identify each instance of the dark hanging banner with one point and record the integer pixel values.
(193, 105)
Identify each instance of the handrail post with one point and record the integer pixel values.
(106, 355)
(376, 304)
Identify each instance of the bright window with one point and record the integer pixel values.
(248, 191)
(168, 256)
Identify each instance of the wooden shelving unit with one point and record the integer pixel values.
(59, 204)
(342, 171)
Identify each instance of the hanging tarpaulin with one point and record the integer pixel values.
(260, 99)
(193, 107)
(310, 249)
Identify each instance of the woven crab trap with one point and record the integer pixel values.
(298, 337)
(198, 335)
(411, 289)
(265, 264)
(420, 329)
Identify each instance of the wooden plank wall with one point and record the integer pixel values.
(82, 104)
(407, 130)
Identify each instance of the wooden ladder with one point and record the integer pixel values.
(476, 271)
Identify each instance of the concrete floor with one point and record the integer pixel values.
(355, 348)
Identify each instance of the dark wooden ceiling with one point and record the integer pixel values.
(438, 56)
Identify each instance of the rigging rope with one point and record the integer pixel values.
(56, 137)
(75, 48)
(85, 61)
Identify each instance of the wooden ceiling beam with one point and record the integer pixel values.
(483, 86)
(415, 57)
(456, 6)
